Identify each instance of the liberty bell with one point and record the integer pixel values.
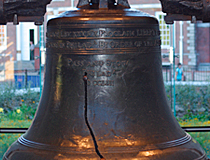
(103, 94)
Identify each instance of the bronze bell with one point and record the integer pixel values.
(103, 95)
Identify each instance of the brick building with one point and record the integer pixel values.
(191, 40)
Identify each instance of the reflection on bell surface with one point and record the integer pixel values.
(103, 95)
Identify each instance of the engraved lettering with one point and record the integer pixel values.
(94, 33)
(115, 72)
(74, 34)
(80, 45)
(151, 43)
(99, 74)
(69, 61)
(108, 73)
(55, 45)
(95, 63)
(147, 43)
(102, 33)
(125, 63)
(113, 44)
(84, 34)
(90, 73)
(108, 62)
(52, 34)
(93, 73)
(103, 44)
(123, 44)
(103, 83)
(70, 45)
(117, 63)
(147, 32)
(99, 69)
(138, 43)
(76, 63)
(66, 34)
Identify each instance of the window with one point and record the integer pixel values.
(164, 31)
(3, 37)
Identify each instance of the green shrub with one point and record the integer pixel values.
(191, 101)
(16, 111)
(18, 106)
(8, 99)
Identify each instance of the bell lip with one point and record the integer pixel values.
(185, 148)
(160, 146)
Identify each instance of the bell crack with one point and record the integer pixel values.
(85, 78)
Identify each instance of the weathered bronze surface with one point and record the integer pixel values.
(103, 94)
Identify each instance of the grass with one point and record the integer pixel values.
(193, 122)
(203, 138)
(15, 124)
(5, 141)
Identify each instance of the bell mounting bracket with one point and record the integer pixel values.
(103, 4)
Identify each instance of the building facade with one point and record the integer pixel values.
(190, 40)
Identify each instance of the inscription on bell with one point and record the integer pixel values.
(97, 33)
(103, 44)
(103, 83)
(99, 69)
(108, 62)
(94, 73)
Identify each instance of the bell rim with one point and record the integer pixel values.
(169, 144)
